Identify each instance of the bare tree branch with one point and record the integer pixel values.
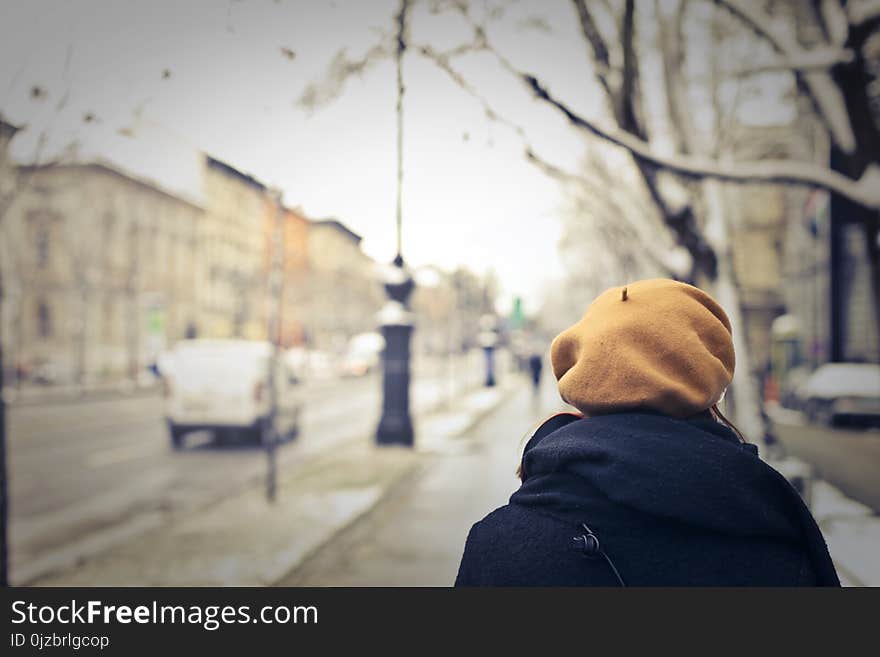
(627, 101)
(599, 189)
(818, 85)
(816, 60)
(672, 55)
(441, 60)
(680, 219)
(319, 94)
(601, 58)
(605, 200)
(864, 191)
(863, 14)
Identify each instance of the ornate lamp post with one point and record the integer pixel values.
(395, 425)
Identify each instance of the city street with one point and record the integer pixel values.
(85, 475)
(846, 458)
(416, 537)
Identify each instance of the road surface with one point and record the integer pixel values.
(846, 458)
(85, 474)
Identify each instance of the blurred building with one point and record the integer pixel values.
(475, 296)
(295, 281)
(102, 274)
(344, 289)
(756, 248)
(437, 318)
(828, 282)
(232, 283)
(114, 250)
(808, 283)
(780, 242)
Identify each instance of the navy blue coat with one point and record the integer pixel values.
(671, 502)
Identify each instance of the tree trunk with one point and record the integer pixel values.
(747, 413)
(872, 238)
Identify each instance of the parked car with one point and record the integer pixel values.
(221, 385)
(363, 354)
(839, 393)
(311, 364)
(48, 373)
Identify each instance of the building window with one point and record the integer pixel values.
(44, 320)
(42, 245)
(109, 320)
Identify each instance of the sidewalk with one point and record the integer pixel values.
(852, 532)
(243, 540)
(417, 535)
(851, 529)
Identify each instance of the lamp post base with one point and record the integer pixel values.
(490, 367)
(395, 426)
(395, 430)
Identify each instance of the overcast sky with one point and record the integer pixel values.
(470, 197)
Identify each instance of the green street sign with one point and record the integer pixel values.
(517, 317)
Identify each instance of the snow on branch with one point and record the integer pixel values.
(825, 95)
(442, 61)
(341, 69)
(865, 191)
(816, 59)
(865, 13)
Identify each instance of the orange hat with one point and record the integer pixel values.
(657, 345)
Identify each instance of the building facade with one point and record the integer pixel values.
(345, 293)
(103, 268)
(231, 284)
(781, 246)
(294, 236)
(100, 274)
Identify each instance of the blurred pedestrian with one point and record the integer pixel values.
(648, 484)
(536, 364)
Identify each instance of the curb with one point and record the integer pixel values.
(802, 476)
(416, 470)
(14, 399)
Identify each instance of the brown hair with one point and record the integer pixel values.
(719, 417)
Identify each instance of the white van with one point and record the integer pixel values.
(221, 385)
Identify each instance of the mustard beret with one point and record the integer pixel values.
(656, 344)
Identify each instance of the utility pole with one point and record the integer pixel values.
(4, 478)
(276, 285)
(7, 132)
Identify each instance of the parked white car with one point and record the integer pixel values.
(222, 385)
(363, 354)
(313, 365)
(838, 392)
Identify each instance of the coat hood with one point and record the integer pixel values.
(693, 471)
